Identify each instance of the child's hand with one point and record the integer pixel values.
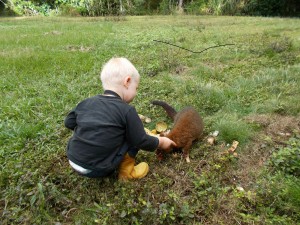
(166, 144)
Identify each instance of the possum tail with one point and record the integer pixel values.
(169, 109)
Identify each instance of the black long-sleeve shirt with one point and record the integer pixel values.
(101, 125)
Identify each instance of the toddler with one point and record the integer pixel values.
(107, 131)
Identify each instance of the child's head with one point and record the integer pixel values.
(115, 71)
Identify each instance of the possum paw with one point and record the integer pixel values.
(187, 159)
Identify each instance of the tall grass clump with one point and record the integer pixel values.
(231, 128)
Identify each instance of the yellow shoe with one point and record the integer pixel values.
(126, 167)
(127, 170)
(140, 170)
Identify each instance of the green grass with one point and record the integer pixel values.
(48, 65)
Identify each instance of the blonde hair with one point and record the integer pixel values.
(115, 70)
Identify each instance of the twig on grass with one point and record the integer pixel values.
(72, 209)
(216, 46)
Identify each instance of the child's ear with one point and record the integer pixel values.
(127, 81)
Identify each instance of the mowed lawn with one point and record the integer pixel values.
(248, 90)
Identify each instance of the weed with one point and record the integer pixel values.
(287, 159)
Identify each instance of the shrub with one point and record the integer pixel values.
(23, 7)
(272, 8)
(195, 7)
(233, 7)
(167, 7)
(68, 10)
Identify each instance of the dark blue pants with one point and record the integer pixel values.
(132, 152)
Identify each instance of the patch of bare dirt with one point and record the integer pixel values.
(276, 130)
(180, 69)
(277, 127)
(73, 48)
(54, 32)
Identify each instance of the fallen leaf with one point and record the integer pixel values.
(151, 132)
(211, 140)
(215, 133)
(147, 131)
(161, 127)
(233, 146)
(142, 117)
(239, 188)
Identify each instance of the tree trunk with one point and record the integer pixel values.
(121, 7)
(180, 3)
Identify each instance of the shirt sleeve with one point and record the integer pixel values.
(70, 120)
(136, 135)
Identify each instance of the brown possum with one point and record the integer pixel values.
(188, 127)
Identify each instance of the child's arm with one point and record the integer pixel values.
(70, 121)
(136, 135)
